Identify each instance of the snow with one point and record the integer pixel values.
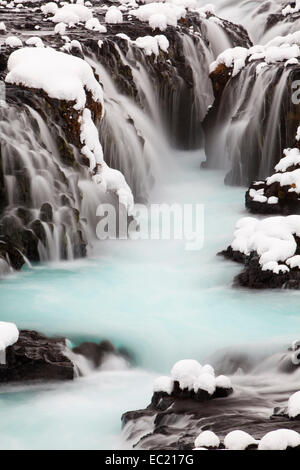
(90, 139)
(292, 158)
(207, 439)
(170, 11)
(35, 41)
(280, 49)
(289, 9)
(13, 41)
(184, 368)
(163, 384)
(206, 382)
(60, 75)
(293, 262)
(279, 440)
(238, 440)
(158, 21)
(223, 381)
(60, 28)
(113, 181)
(257, 195)
(113, 16)
(234, 57)
(9, 334)
(152, 44)
(272, 238)
(2, 26)
(50, 8)
(191, 375)
(293, 407)
(72, 14)
(94, 25)
(290, 178)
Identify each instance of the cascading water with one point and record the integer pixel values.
(248, 134)
(157, 300)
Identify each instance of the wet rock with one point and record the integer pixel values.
(46, 213)
(35, 357)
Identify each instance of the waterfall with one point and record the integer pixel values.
(248, 133)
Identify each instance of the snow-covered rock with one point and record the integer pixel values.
(238, 440)
(72, 14)
(280, 439)
(13, 41)
(60, 75)
(113, 16)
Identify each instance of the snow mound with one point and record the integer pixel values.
(113, 16)
(94, 25)
(293, 407)
(192, 376)
(72, 14)
(163, 384)
(60, 75)
(152, 44)
(238, 440)
(280, 439)
(13, 41)
(50, 8)
(160, 14)
(9, 334)
(207, 439)
(272, 238)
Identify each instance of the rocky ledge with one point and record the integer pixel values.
(32, 356)
(241, 419)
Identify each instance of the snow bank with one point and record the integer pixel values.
(9, 334)
(293, 407)
(279, 440)
(207, 439)
(280, 49)
(272, 238)
(113, 16)
(72, 14)
(238, 440)
(60, 75)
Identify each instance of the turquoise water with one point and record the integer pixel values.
(154, 298)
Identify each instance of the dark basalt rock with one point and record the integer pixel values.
(36, 357)
(254, 277)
